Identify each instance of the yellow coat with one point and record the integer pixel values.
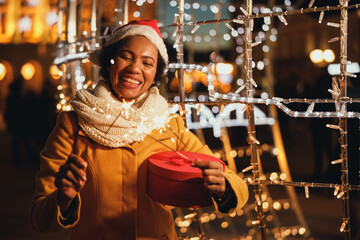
(113, 204)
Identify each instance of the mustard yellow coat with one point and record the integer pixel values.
(113, 204)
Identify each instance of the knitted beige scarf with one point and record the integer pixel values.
(112, 123)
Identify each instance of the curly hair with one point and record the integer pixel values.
(109, 52)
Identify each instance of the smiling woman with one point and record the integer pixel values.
(111, 50)
(94, 172)
(134, 68)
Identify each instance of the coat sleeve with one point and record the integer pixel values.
(45, 210)
(192, 143)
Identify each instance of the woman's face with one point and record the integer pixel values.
(133, 70)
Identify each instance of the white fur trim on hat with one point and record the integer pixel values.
(131, 30)
(142, 30)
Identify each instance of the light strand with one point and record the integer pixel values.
(311, 3)
(335, 25)
(270, 14)
(321, 16)
(282, 19)
(335, 39)
(195, 29)
(303, 184)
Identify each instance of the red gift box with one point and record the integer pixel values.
(173, 181)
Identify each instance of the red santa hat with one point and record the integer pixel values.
(146, 28)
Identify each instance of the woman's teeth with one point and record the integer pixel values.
(130, 80)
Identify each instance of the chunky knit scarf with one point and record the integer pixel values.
(112, 123)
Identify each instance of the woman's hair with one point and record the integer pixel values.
(109, 52)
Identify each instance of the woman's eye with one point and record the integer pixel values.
(125, 57)
(148, 64)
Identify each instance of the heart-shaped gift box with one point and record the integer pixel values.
(173, 181)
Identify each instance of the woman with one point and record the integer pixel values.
(93, 168)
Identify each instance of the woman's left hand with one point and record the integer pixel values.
(213, 174)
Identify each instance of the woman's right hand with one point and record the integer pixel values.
(70, 180)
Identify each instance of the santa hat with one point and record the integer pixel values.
(146, 28)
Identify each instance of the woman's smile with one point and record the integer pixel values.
(131, 81)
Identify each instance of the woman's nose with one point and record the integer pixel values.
(134, 66)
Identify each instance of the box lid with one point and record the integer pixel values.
(176, 165)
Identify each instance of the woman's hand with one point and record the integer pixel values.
(70, 180)
(213, 174)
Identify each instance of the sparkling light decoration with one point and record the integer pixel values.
(209, 120)
(280, 103)
(233, 101)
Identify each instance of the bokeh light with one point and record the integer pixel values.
(28, 71)
(2, 71)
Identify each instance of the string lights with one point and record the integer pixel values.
(282, 19)
(335, 25)
(195, 29)
(270, 13)
(321, 16)
(233, 102)
(209, 120)
(280, 104)
(337, 187)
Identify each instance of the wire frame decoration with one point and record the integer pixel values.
(70, 56)
(338, 92)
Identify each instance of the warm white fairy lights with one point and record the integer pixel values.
(207, 115)
(335, 25)
(282, 19)
(79, 52)
(240, 88)
(280, 103)
(253, 140)
(252, 81)
(343, 225)
(337, 161)
(332, 126)
(209, 120)
(247, 168)
(195, 29)
(307, 194)
(337, 187)
(278, 205)
(311, 3)
(255, 43)
(321, 16)
(184, 223)
(335, 94)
